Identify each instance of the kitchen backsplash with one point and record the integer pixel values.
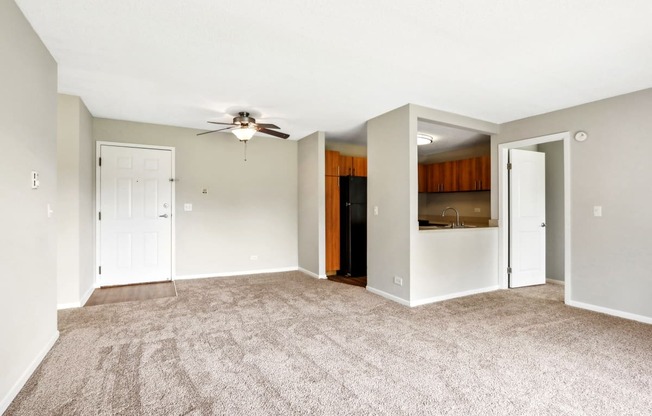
(467, 203)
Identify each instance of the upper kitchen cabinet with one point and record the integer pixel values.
(353, 166)
(471, 174)
(332, 163)
(338, 164)
(442, 177)
(423, 178)
(474, 174)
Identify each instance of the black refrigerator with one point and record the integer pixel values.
(353, 226)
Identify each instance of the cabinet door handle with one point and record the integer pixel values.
(338, 174)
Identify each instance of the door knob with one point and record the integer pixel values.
(543, 224)
(163, 216)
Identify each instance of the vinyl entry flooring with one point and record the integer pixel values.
(355, 281)
(128, 293)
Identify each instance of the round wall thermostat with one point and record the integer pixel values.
(580, 136)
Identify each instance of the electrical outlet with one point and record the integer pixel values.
(187, 207)
(476, 209)
(398, 280)
(253, 257)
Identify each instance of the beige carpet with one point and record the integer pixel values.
(287, 344)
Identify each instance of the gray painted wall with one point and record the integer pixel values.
(75, 200)
(611, 257)
(312, 204)
(554, 209)
(28, 120)
(251, 208)
(388, 188)
(347, 149)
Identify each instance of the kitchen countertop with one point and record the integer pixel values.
(448, 227)
(470, 223)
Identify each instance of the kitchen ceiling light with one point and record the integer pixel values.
(423, 139)
(244, 133)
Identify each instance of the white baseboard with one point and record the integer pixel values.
(555, 282)
(67, 305)
(20, 383)
(453, 296)
(86, 296)
(311, 274)
(81, 302)
(388, 296)
(238, 273)
(612, 312)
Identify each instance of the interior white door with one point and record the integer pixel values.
(135, 215)
(527, 218)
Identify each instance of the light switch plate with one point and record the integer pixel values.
(376, 210)
(597, 211)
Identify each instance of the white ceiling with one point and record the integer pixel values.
(332, 65)
(448, 138)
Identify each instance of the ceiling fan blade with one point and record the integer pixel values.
(214, 131)
(226, 124)
(272, 132)
(267, 126)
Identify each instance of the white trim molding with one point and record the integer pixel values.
(503, 200)
(456, 295)
(612, 312)
(81, 302)
(98, 188)
(388, 296)
(311, 274)
(20, 383)
(233, 274)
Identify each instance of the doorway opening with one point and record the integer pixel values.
(562, 141)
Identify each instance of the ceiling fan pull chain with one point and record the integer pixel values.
(245, 150)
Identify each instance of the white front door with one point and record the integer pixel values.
(135, 215)
(527, 217)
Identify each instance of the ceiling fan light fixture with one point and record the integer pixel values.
(423, 139)
(244, 133)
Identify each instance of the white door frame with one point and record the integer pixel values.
(503, 206)
(97, 202)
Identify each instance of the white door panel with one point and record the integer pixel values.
(527, 216)
(136, 207)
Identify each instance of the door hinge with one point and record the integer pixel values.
(99, 216)
(100, 269)
(100, 161)
(509, 166)
(171, 179)
(509, 270)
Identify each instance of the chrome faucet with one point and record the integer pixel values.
(457, 216)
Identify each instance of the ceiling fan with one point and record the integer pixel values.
(244, 127)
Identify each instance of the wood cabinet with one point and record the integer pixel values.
(442, 177)
(484, 172)
(472, 174)
(359, 165)
(353, 166)
(423, 178)
(332, 163)
(341, 165)
(332, 223)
